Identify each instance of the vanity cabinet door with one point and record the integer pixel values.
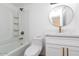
(54, 50)
(73, 51)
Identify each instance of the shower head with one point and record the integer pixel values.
(21, 9)
(52, 3)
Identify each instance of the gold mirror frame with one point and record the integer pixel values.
(60, 16)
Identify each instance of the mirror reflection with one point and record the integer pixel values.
(61, 16)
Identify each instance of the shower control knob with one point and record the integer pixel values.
(21, 38)
(22, 32)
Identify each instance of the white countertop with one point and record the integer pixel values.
(56, 34)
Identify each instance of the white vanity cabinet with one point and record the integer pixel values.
(61, 46)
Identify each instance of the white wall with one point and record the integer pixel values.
(38, 19)
(73, 27)
(38, 22)
(26, 25)
(6, 22)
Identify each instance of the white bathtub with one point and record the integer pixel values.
(13, 47)
(19, 51)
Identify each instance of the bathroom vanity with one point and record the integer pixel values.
(61, 45)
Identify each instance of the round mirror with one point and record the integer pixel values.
(61, 15)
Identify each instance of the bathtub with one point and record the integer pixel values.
(13, 47)
(19, 51)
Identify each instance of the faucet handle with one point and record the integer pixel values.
(59, 29)
(22, 32)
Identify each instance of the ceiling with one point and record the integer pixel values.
(19, 4)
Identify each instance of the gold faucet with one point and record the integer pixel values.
(60, 30)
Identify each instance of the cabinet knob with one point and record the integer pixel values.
(22, 32)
